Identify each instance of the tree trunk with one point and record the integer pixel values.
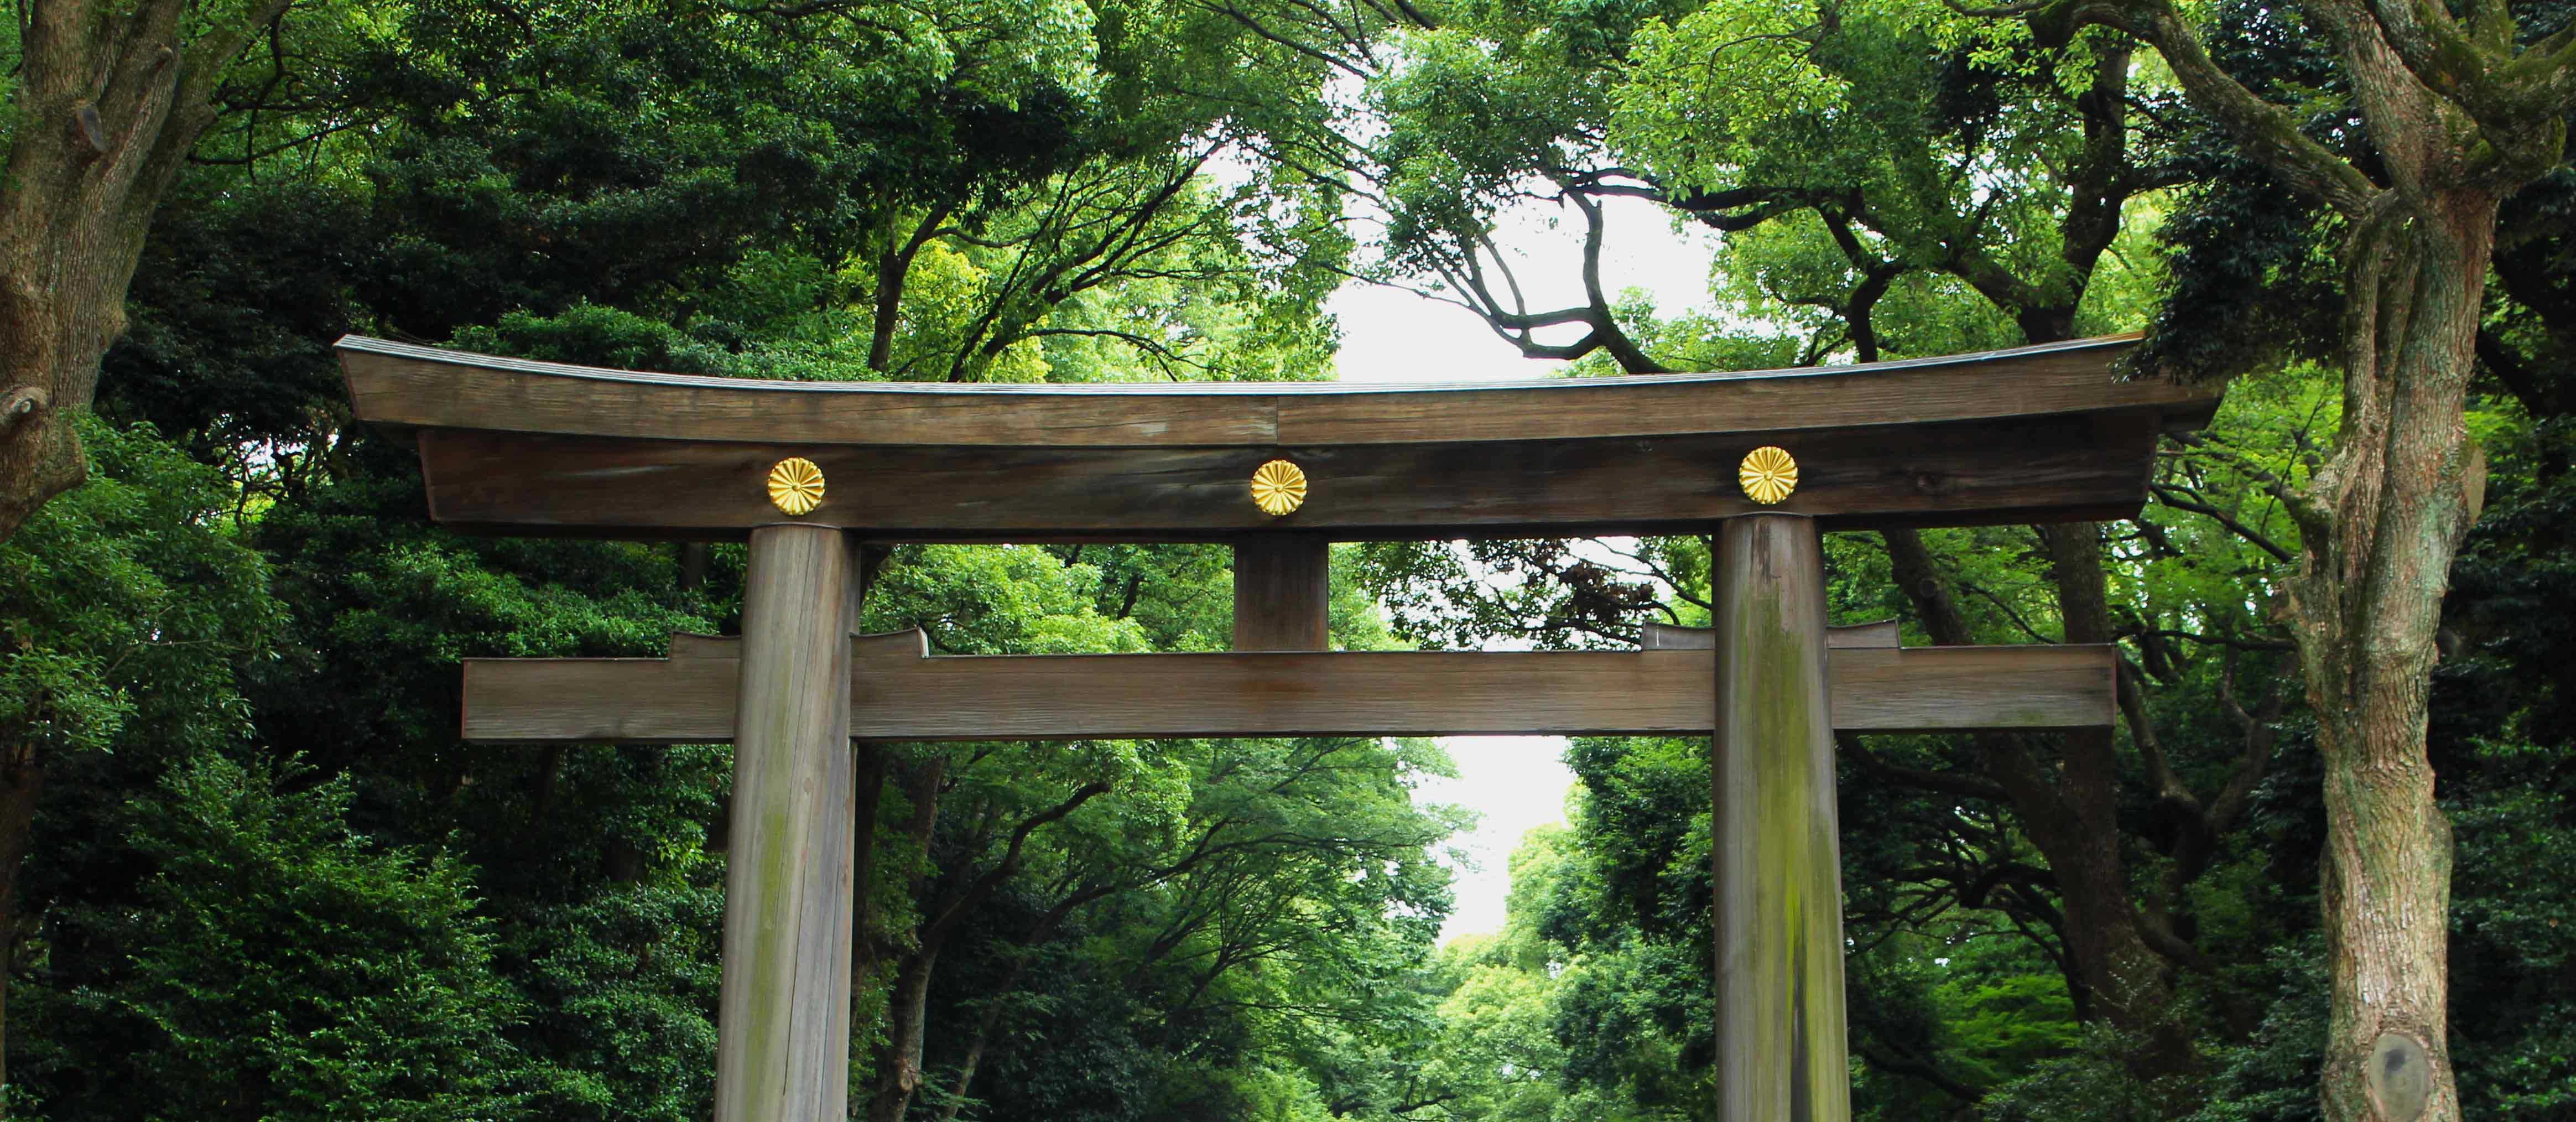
(899, 1062)
(109, 103)
(2070, 813)
(2383, 519)
(2133, 983)
(984, 1026)
(907, 1013)
(2454, 128)
(894, 266)
(898, 1058)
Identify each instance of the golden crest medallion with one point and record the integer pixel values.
(796, 486)
(1768, 475)
(1278, 488)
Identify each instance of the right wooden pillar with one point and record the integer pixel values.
(1774, 842)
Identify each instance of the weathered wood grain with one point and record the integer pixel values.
(2025, 381)
(401, 386)
(1858, 636)
(900, 694)
(1774, 843)
(782, 1025)
(405, 386)
(2024, 469)
(1282, 593)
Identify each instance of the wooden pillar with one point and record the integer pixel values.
(1780, 1024)
(1282, 593)
(783, 1021)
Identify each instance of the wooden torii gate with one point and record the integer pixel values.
(808, 471)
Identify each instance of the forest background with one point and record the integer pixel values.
(247, 871)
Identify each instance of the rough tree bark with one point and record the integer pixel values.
(111, 96)
(2460, 115)
(2402, 488)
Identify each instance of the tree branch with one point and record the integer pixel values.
(1942, 782)
(1009, 866)
(2181, 500)
(2266, 131)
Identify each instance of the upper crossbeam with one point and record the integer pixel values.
(2029, 434)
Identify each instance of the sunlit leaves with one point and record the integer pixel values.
(1705, 85)
(129, 602)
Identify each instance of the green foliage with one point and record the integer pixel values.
(130, 609)
(616, 991)
(280, 965)
(2085, 1084)
(2272, 1074)
(395, 924)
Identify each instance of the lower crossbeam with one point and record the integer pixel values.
(900, 692)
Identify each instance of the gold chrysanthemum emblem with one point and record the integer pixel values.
(796, 486)
(1278, 488)
(1768, 475)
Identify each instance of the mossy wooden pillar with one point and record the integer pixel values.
(1780, 1023)
(783, 1021)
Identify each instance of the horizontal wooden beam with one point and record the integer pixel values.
(1858, 636)
(2044, 433)
(403, 385)
(899, 692)
(2091, 465)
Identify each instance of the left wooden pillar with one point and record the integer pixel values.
(783, 1020)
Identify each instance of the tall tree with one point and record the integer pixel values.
(2461, 110)
(110, 98)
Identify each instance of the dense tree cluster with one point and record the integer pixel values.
(247, 871)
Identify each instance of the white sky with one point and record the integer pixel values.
(1388, 335)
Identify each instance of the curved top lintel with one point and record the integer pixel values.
(2113, 345)
(408, 386)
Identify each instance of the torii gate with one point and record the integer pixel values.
(807, 471)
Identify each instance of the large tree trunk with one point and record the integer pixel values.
(2459, 115)
(2383, 520)
(2133, 983)
(110, 101)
